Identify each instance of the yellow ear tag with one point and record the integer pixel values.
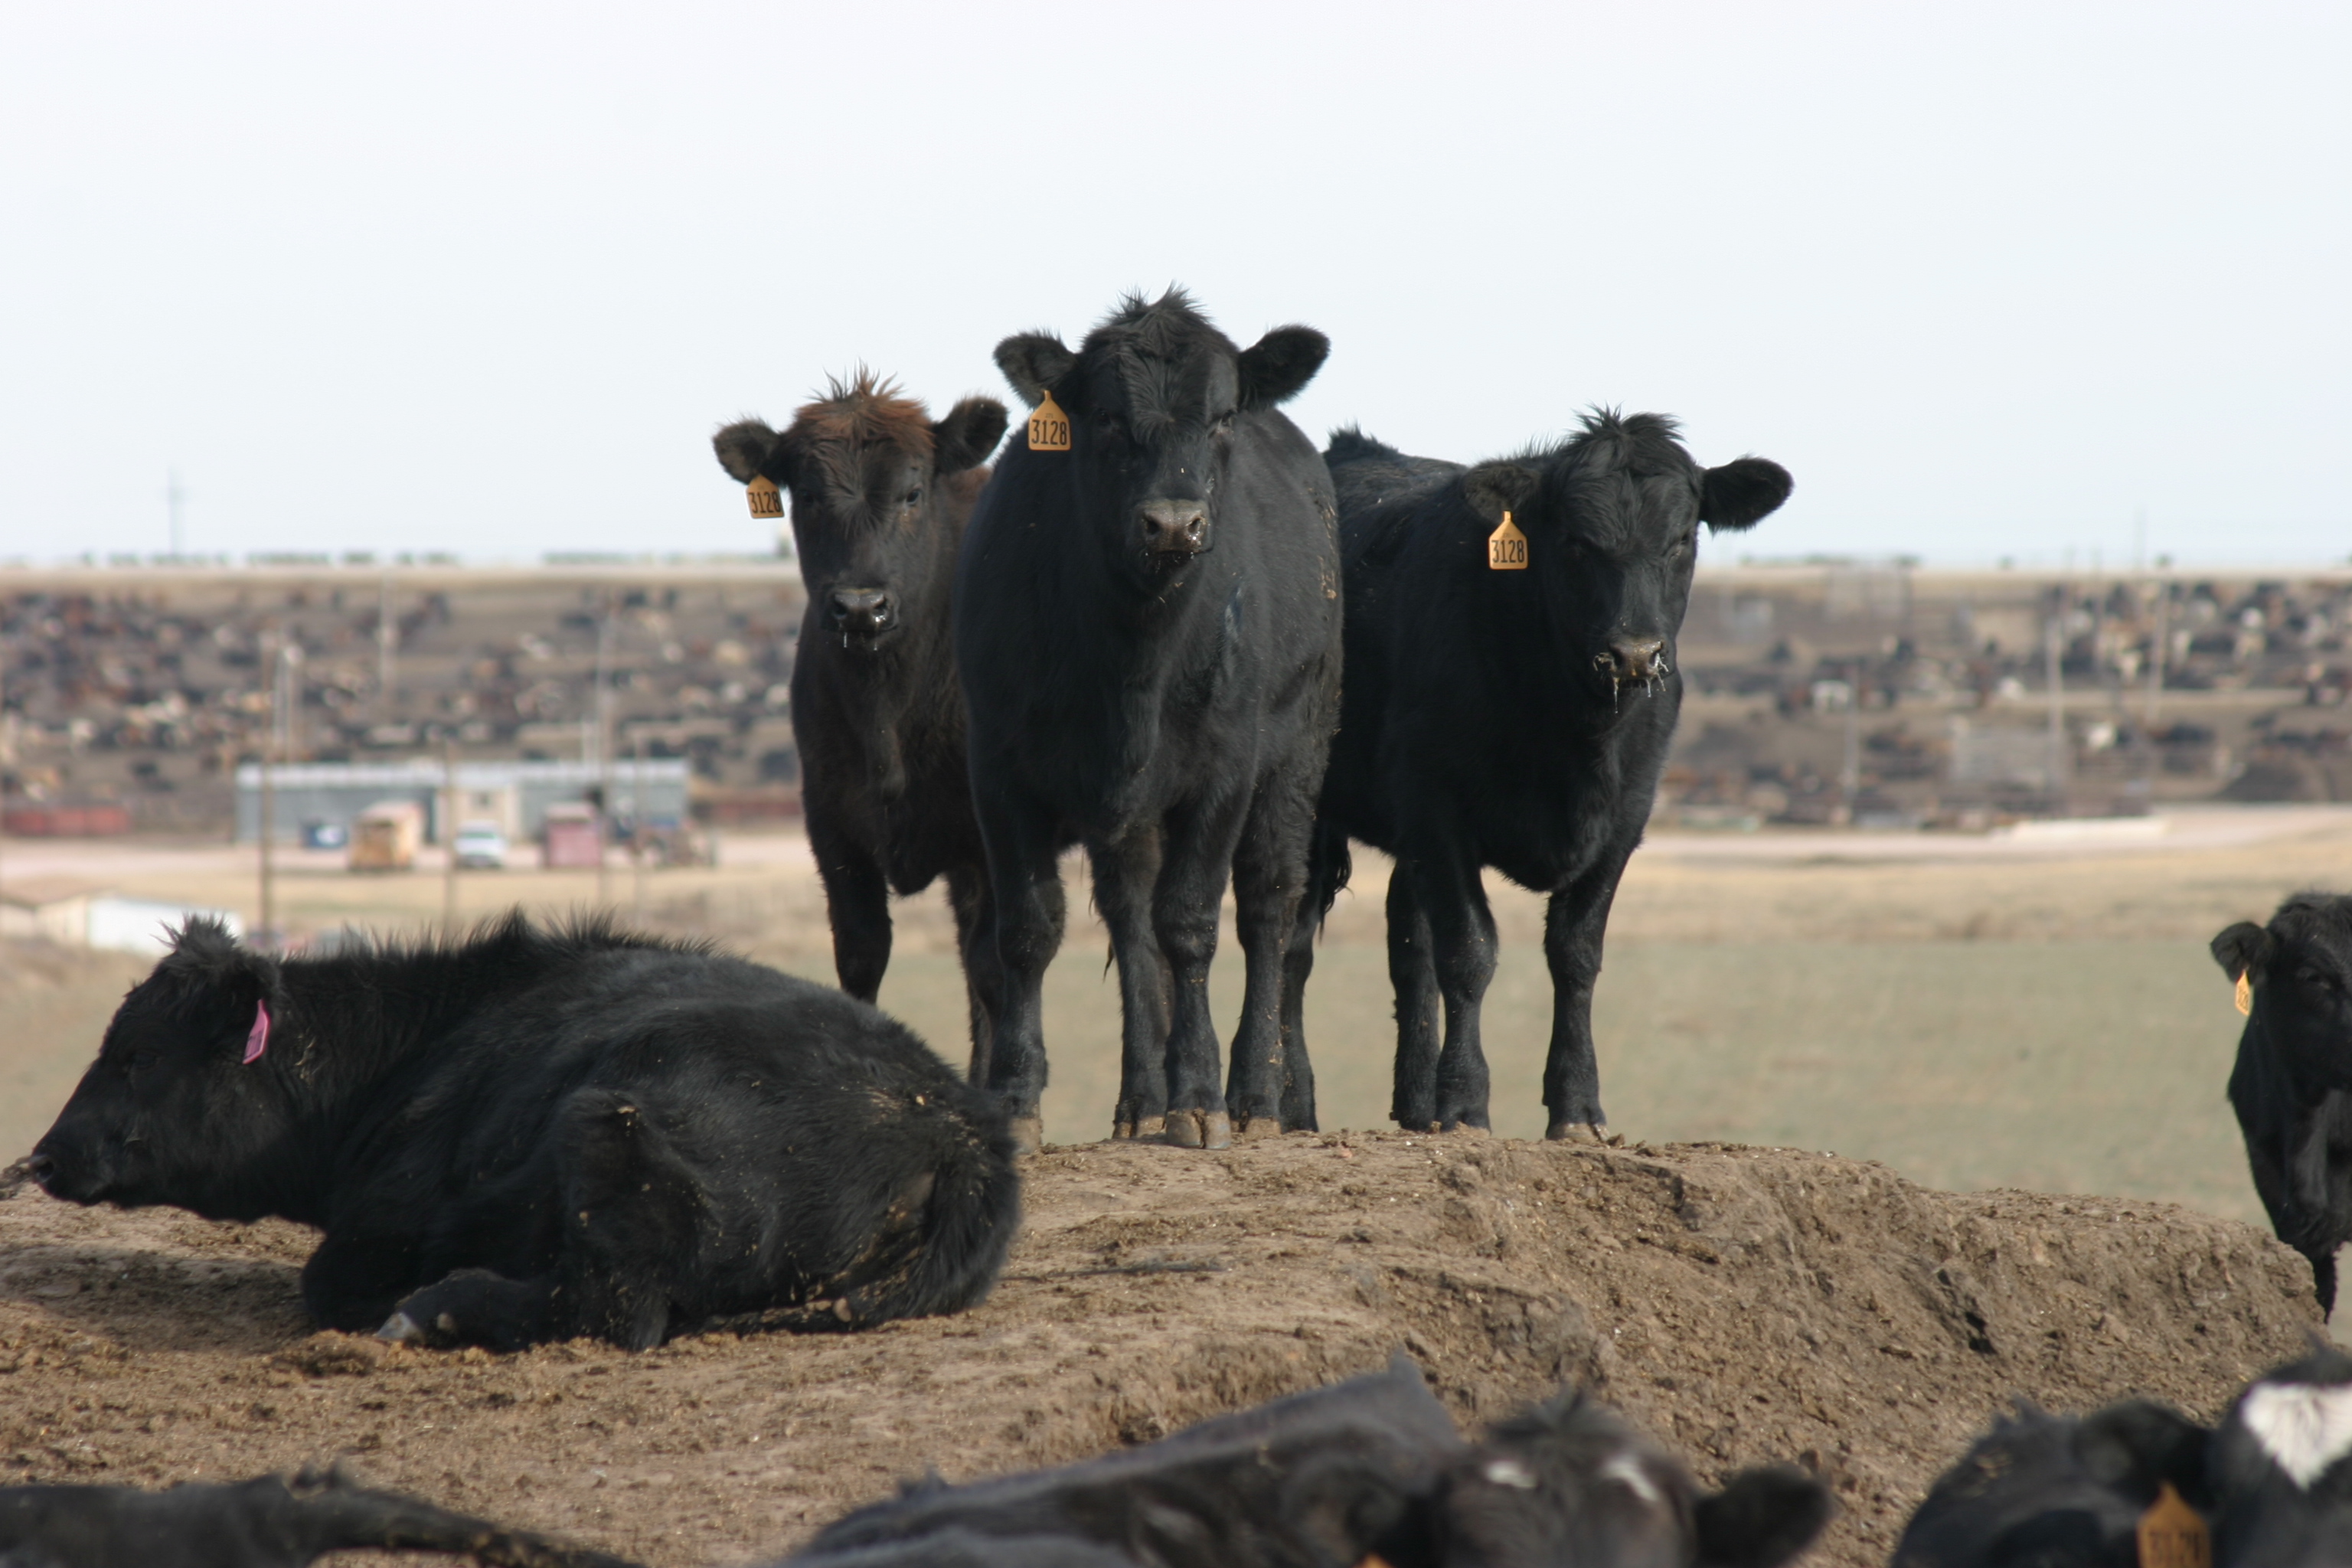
(1049, 427)
(2173, 1535)
(1507, 548)
(2246, 993)
(766, 500)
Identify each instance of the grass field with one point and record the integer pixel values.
(2047, 1023)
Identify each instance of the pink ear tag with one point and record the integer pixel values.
(259, 1040)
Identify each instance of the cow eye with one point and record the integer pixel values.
(142, 1061)
(914, 495)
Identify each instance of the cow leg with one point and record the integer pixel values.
(1197, 857)
(1125, 871)
(355, 1278)
(1412, 1102)
(976, 945)
(1269, 890)
(632, 1212)
(474, 1307)
(1326, 873)
(1461, 949)
(857, 902)
(1574, 923)
(1025, 897)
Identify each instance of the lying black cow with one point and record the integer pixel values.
(1147, 625)
(534, 1134)
(2281, 1468)
(881, 492)
(267, 1522)
(2291, 1086)
(1370, 1469)
(1511, 693)
(2056, 1492)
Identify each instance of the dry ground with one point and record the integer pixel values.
(1745, 1304)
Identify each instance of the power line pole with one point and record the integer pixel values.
(604, 744)
(450, 837)
(388, 637)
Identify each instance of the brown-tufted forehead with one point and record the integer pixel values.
(842, 433)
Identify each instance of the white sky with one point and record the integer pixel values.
(1989, 278)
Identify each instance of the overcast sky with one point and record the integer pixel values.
(1989, 279)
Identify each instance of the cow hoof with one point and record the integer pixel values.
(400, 1329)
(1216, 1131)
(1257, 1129)
(1580, 1133)
(1471, 1128)
(1028, 1131)
(1144, 1127)
(1200, 1130)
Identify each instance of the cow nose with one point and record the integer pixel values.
(1630, 661)
(861, 610)
(1174, 527)
(40, 1167)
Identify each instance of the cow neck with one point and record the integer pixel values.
(355, 1024)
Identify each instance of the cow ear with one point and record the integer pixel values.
(1761, 1518)
(967, 436)
(205, 955)
(2241, 948)
(1033, 363)
(1499, 486)
(2136, 1445)
(1743, 493)
(1278, 365)
(748, 450)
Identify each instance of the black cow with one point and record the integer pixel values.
(2281, 1468)
(1515, 717)
(269, 1522)
(1370, 1469)
(2056, 1492)
(533, 1135)
(1316, 1480)
(880, 493)
(1147, 630)
(2291, 1086)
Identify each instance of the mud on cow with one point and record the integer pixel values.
(881, 492)
(1147, 625)
(2291, 1086)
(536, 1134)
(1509, 703)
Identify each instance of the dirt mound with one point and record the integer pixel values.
(1746, 1304)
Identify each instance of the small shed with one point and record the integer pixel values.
(48, 909)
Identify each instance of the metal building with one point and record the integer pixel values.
(516, 795)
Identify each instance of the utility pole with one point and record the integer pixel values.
(1850, 775)
(637, 834)
(265, 820)
(2052, 646)
(450, 837)
(604, 744)
(2159, 646)
(388, 637)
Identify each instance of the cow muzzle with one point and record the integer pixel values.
(1176, 527)
(861, 612)
(1633, 661)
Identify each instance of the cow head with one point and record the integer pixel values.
(1154, 394)
(1570, 1482)
(2281, 1465)
(186, 1085)
(2299, 969)
(2054, 1489)
(1611, 518)
(864, 467)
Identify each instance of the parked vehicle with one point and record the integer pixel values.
(480, 846)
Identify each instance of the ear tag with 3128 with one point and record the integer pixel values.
(1049, 427)
(1507, 548)
(766, 500)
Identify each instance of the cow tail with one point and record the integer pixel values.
(968, 1223)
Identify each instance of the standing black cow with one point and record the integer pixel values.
(880, 493)
(1148, 631)
(534, 1135)
(1509, 703)
(2291, 1086)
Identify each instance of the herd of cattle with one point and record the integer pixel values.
(1165, 628)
